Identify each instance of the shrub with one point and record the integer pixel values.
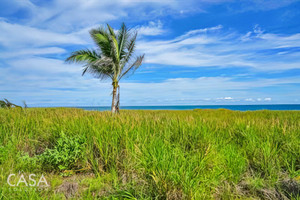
(66, 154)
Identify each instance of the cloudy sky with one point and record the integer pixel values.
(198, 52)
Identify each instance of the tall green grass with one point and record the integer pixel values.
(197, 154)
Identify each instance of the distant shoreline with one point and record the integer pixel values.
(191, 107)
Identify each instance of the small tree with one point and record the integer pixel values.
(112, 59)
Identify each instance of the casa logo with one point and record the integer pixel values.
(31, 180)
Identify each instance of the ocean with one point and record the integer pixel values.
(191, 107)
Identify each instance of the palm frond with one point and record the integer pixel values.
(101, 68)
(114, 55)
(101, 39)
(111, 30)
(83, 56)
(130, 46)
(122, 36)
(115, 49)
(133, 67)
(100, 72)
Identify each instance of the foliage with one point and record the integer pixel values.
(196, 154)
(65, 154)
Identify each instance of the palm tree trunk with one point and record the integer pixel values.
(113, 104)
(118, 100)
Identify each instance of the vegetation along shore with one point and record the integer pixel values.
(196, 154)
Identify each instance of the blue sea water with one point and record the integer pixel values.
(191, 107)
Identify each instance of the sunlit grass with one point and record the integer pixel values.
(197, 154)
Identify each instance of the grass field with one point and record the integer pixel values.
(197, 154)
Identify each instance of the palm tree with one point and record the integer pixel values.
(113, 58)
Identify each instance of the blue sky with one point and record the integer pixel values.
(198, 52)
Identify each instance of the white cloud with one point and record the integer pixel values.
(20, 36)
(258, 99)
(31, 52)
(224, 98)
(39, 65)
(70, 15)
(153, 28)
(217, 47)
(250, 99)
(197, 32)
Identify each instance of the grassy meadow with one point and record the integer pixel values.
(196, 154)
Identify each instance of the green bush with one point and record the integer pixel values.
(66, 154)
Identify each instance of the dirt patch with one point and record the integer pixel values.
(127, 177)
(175, 194)
(290, 188)
(270, 194)
(69, 189)
(284, 190)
